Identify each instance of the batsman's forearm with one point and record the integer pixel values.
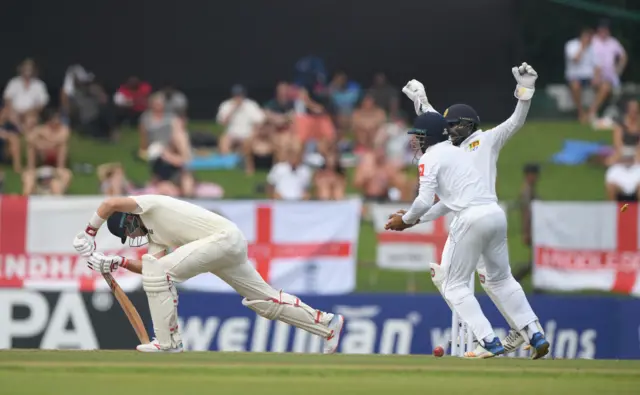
(133, 265)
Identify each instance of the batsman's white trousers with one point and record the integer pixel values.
(481, 231)
(225, 255)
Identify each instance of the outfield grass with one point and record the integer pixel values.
(536, 142)
(128, 372)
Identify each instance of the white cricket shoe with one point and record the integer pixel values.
(154, 346)
(333, 340)
(512, 341)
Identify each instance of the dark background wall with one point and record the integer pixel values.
(461, 49)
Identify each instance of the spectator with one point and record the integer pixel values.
(393, 137)
(90, 111)
(240, 116)
(289, 180)
(344, 95)
(75, 74)
(131, 100)
(280, 113)
(385, 95)
(611, 59)
(25, 96)
(10, 135)
(169, 162)
(626, 133)
(310, 71)
(622, 179)
(377, 180)
(260, 149)
(175, 101)
(580, 67)
(367, 121)
(528, 194)
(330, 180)
(157, 126)
(313, 123)
(113, 181)
(47, 147)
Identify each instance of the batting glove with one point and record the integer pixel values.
(84, 243)
(101, 263)
(415, 91)
(526, 78)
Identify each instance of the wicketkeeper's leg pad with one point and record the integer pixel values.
(163, 302)
(291, 310)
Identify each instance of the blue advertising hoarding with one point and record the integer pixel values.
(578, 327)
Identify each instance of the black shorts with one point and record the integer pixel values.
(584, 82)
(165, 171)
(627, 198)
(10, 128)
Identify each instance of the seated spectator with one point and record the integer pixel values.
(393, 137)
(377, 180)
(580, 67)
(25, 97)
(157, 126)
(611, 59)
(367, 121)
(385, 95)
(131, 100)
(622, 179)
(280, 113)
(75, 74)
(90, 111)
(10, 141)
(46, 180)
(345, 95)
(169, 163)
(113, 181)
(331, 179)
(289, 180)
(626, 133)
(528, 193)
(313, 123)
(240, 116)
(47, 144)
(260, 149)
(175, 102)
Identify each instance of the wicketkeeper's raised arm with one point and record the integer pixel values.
(415, 91)
(525, 77)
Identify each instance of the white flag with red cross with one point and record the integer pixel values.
(303, 247)
(586, 246)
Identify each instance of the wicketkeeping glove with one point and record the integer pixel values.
(526, 78)
(105, 263)
(415, 91)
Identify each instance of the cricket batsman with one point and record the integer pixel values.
(479, 229)
(203, 242)
(484, 147)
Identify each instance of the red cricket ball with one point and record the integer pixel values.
(438, 351)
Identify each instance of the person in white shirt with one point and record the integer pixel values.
(202, 241)
(25, 96)
(580, 67)
(239, 115)
(622, 179)
(484, 147)
(290, 180)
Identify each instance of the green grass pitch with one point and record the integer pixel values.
(129, 372)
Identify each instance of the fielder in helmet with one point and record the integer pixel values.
(484, 147)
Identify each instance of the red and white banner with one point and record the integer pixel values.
(414, 248)
(586, 246)
(303, 247)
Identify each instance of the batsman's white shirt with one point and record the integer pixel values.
(173, 223)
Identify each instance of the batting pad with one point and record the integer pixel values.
(291, 310)
(437, 276)
(489, 291)
(163, 302)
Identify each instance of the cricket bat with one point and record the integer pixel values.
(129, 309)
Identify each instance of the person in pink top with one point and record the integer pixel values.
(611, 59)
